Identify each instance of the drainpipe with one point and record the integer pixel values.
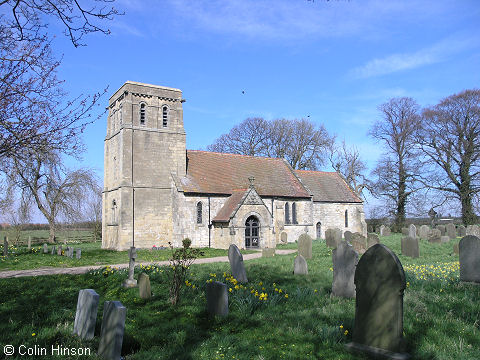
(209, 224)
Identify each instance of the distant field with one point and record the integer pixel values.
(41, 236)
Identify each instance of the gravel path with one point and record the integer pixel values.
(84, 269)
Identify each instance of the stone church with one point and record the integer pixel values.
(156, 191)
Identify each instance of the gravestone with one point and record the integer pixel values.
(405, 231)
(236, 264)
(469, 248)
(54, 250)
(370, 228)
(283, 237)
(444, 238)
(29, 243)
(410, 247)
(70, 252)
(59, 250)
(442, 228)
(333, 237)
(305, 246)
(382, 229)
(217, 298)
(372, 239)
(78, 254)
(344, 259)
(424, 231)
(435, 236)
(359, 242)
(300, 266)
(45, 248)
(456, 249)
(386, 231)
(86, 315)
(412, 231)
(5, 246)
(131, 282)
(347, 235)
(111, 333)
(144, 286)
(461, 231)
(451, 231)
(380, 283)
(268, 252)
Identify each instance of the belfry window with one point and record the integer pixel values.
(287, 213)
(142, 114)
(165, 116)
(294, 213)
(346, 218)
(199, 213)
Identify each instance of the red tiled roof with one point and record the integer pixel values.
(230, 206)
(327, 186)
(218, 173)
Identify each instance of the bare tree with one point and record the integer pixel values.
(92, 208)
(397, 170)
(28, 19)
(348, 163)
(56, 191)
(450, 139)
(300, 142)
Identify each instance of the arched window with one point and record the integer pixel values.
(287, 213)
(319, 230)
(346, 218)
(199, 213)
(142, 114)
(252, 232)
(165, 116)
(114, 212)
(294, 213)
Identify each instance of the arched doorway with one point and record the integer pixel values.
(319, 230)
(252, 232)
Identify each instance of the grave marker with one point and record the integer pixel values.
(268, 252)
(144, 288)
(424, 231)
(29, 243)
(111, 333)
(217, 298)
(333, 237)
(45, 248)
(236, 264)
(300, 266)
(78, 254)
(451, 231)
(347, 235)
(54, 250)
(283, 237)
(5, 246)
(435, 236)
(461, 231)
(412, 231)
(305, 246)
(344, 259)
(372, 239)
(469, 248)
(59, 250)
(410, 247)
(86, 315)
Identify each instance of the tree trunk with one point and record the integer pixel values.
(51, 237)
(468, 215)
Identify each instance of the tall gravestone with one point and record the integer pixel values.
(333, 237)
(300, 266)
(410, 247)
(236, 264)
(86, 315)
(305, 246)
(424, 231)
(469, 257)
(111, 333)
(380, 283)
(131, 281)
(54, 250)
(144, 288)
(412, 231)
(344, 259)
(217, 298)
(372, 239)
(451, 231)
(461, 231)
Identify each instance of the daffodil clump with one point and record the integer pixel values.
(447, 271)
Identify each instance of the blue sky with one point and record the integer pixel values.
(335, 61)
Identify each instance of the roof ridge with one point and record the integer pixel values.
(318, 171)
(230, 154)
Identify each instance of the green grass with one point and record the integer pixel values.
(441, 315)
(21, 259)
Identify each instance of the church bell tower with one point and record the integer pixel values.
(145, 148)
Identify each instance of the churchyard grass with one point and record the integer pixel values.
(296, 319)
(92, 254)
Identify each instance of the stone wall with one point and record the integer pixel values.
(332, 215)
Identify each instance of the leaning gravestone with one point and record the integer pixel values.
(86, 315)
(54, 250)
(380, 283)
(111, 333)
(344, 259)
(461, 231)
(217, 298)
(410, 247)
(305, 246)
(347, 235)
(144, 288)
(300, 266)
(469, 248)
(236, 264)
(45, 248)
(333, 237)
(444, 238)
(78, 254)
(424, 232)
(412, 231)
(435, 236)
(451, 231)
(372, 239)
